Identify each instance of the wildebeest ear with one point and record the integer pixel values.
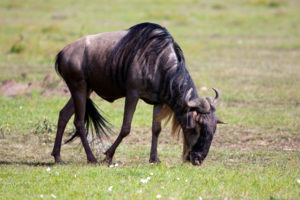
(190, 121)
(220, 121)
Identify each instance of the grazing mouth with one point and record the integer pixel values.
(196, 158)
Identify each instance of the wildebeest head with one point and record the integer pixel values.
(200, 126)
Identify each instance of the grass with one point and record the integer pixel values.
(247, 49)
(175, 182)
(244, 162)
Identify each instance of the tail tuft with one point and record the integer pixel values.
(100, 124)
(94, 120)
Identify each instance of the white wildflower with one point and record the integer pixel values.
(110, 188)
(200, 198)
(144, 180)
(57, 173)
(42, 196)
(151, 174)
(178, 179)
(75, 176)
(186, 180)
(111, 166)
(116, 164)
(162, 187)
(158, 196)
(21, 107)
(53, 196)
(298, 181)
(148, 178)
(48, 169)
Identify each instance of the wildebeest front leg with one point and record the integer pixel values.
(130, 105)
(64, 116)
(156, 128)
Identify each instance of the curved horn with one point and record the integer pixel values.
(188, 96)
(201, 103)
(215, 101)
(193, 102)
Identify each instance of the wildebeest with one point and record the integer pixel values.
(143, 62)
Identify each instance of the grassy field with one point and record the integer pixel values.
(248, 49)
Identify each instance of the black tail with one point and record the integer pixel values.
(100, 124)
(57, 60)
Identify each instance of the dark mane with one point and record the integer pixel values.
(177, 82)
(134, 43)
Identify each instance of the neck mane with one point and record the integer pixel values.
(177, 83)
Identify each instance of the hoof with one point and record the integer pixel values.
(92, 161)
(60, 162)
(106, 161)
(154, 160)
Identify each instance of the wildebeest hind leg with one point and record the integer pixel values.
(79, 96)
(130, 105)
(64, 116)
(156, 128)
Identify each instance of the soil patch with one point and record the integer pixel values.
(48, 87)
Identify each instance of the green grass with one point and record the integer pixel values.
(248, 49)
(175, 182)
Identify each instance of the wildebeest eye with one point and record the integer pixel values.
(190, 120)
